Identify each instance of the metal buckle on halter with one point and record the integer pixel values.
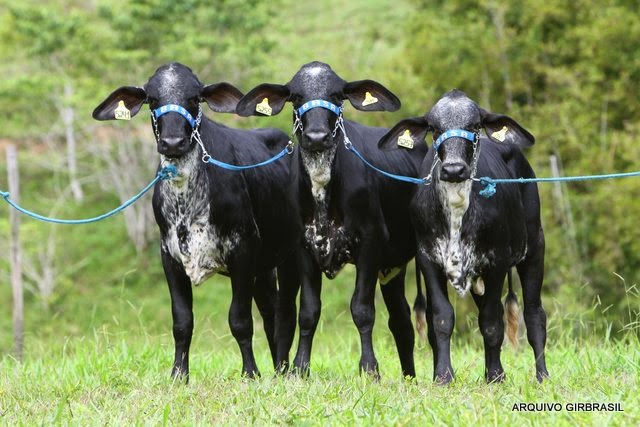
(290, 147)
(297, 123)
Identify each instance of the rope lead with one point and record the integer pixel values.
(490, 183)
(167, 172)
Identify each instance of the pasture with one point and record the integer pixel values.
(111, 366)
(98, 342)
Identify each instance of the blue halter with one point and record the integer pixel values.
(319, 103)
(173, 108)
(454, 133)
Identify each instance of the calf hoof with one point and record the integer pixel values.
(179, 376)
(495, 376)
(300, 371)
(251, 374)
(443, 378)
(282, 368)
(370, 370)
(410, 375)
(542, 375)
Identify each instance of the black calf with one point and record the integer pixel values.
(351, 213)
(471, 241)
(241, 224)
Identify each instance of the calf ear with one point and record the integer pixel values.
(127, 100)
(369, 95)
(264, 100)
(503, 129)
(407, 133)
(221, 97)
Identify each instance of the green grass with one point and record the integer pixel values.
(123, 380)
(104, 358)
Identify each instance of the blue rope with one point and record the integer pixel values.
(409, 179)
(490, 183)
(207, 158)
(167, 172)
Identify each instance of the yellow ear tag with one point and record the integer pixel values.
(501, 134)
(122, 112)
(405, 140)
(264, 107)
(369, 99)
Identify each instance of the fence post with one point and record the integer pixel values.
(15, 254)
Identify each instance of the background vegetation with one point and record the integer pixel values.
(97, 309)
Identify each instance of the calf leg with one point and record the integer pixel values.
(531, 271)
(492, 324)
(182, 313)
(265, 293)
(440, 319)
(240, 321)
(363, 312)
(310, 305)
(400, 322)
(288, 278)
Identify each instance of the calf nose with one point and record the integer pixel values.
(172, 141)
(317, 137)
(172, 146)
(454, 172)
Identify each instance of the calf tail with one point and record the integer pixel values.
(511, 312)
(420, 307)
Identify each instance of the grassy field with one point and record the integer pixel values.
(106, 360)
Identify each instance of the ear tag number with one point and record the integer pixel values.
(122, 112)
(405, 140)
(369, 99)
(264, 107)
(501, 134)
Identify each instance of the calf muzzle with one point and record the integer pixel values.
(455, 172)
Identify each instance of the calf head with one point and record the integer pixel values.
(455, 121)
(174, 89)
(317, 94)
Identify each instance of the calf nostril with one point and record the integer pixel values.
(317, 136)
(172, 141)
(455, 172)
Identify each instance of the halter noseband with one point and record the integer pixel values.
(195, 123)
(473, 137)
(455, 133)
(315, 103)
(319, 103)
(173, 108)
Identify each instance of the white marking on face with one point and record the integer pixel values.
(454, 112)
(315, 71)
(171, 86)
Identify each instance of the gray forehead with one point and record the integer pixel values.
(316, 78)
(452, 112)
(173, 82)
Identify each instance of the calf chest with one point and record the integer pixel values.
(330, 244)
(191, 239)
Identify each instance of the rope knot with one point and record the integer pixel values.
(489, 187)
(168, 172)
(4, 194)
